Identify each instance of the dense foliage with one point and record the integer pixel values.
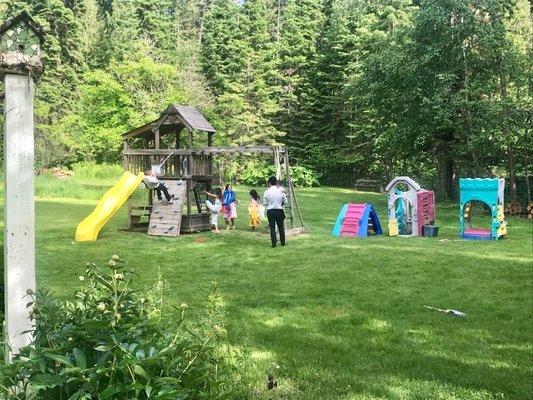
(254, 172)
(436, 89)
(108, 342)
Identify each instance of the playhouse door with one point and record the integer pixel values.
(404, 216)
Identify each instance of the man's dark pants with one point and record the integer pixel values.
(162, 188)
(276, 217)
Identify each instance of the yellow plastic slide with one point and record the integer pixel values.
(108, 205)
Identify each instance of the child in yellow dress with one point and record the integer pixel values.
(254, 209)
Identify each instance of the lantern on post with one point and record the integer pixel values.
(20, 64)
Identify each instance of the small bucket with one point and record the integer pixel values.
(430, 231)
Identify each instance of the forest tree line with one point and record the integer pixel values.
(436, 89)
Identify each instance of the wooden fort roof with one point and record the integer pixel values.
(173, 119)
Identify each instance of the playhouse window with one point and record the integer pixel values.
(402, 186)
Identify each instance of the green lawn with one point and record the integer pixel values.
(337, 318)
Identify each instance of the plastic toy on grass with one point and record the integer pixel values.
(412, 210)
(357, 220)
(453, 313)
(490, 193)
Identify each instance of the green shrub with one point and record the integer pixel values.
(304, 177)
(91, 170)
(108, 342)
(256, 173)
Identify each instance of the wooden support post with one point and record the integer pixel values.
(277, 163)
(295, 207)
(290, 189)
(126, 166)
(298, 210)
(189, 173)
(210, 160)
(19, 211)
(177, 158)
(189, 188)
(157, 139)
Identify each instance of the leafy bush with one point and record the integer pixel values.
(109, 343)
(91, 170)
(256, 173)
(304, 177)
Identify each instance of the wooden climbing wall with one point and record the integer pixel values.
(165, 218)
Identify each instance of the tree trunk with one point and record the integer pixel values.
(505, 130)
(449, 178)
(512, 177)
(447, 166)
(528, 185)
(278, 23)
(203, 10)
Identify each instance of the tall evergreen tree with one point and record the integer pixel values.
(301, 24)
(222, 49)
(240, 62)
(323, 118)
(57, 92)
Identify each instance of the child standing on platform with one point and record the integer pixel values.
(254, 209)
(230, 208)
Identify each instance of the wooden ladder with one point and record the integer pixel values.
(165, 218)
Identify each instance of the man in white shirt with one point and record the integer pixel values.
(274, 199)
(153, 183)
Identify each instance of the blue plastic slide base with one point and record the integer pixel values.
(476, 237)
(338, 224)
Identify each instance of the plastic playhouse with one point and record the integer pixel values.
(489, 192)
(357, 220)
(411, 210)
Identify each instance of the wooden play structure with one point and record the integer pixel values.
(179, 147)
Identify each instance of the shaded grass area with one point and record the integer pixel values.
(336, 318)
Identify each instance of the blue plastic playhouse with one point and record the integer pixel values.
(489, 192)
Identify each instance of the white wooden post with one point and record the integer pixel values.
(19, 210)
(277, 163)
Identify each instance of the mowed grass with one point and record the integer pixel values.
(335, 318)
